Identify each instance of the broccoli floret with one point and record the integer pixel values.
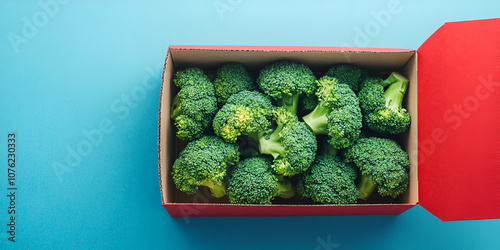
(371, 80)
(245, 113)
(383, 165)
(195, 105)
(337, 114)
(371, 97)
(188, 128)
(204, 162)
(292, 144)
(249, 113)
(189, 76)
(372, 91)
(347, 74)
(253, 182)
(383, 111)
(286, 81)
(230, 79)
(329, 181)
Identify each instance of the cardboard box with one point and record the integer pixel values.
(453, 142)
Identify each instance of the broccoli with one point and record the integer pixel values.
(329, 181)
(382, 110)
(195, 105)
(245, 113)
(337, 114)
(347, 74)
(230, 79)
(204, 162)
(292, 144)
(286, 81)
(249, 113)
(253, 182)
(371, 97)
(383, 165)
(371, 80)
(189, 76)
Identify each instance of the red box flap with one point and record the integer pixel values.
(459, 121)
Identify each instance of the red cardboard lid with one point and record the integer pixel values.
(459, 121)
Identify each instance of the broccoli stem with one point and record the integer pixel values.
(217, 189)
(393, 78)
(290, 102)
(284, 188)
(366, 187)
(271, 144)
(317, 120)
(176, 110)
(395, 93)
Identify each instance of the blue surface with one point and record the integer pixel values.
(84, 77)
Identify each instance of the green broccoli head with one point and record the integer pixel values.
(292, 144)
(286, 81)
(383, 165)
(371, 80)
(204, 162)
(329, 181)
(344, 126)
(383, 111)
(253, 182)
(190, 76)
(230, 79)
(188, 128)
(282, 116)
(387, 120)
(195, 105)
(347, 74)
(371, 97)
(337, 114)
(245, 113)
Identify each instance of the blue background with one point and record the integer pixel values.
(71, 68)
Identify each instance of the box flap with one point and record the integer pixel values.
(239, 210)
(459, 121)
(285, 48)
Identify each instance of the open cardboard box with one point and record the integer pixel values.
(453, 142)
